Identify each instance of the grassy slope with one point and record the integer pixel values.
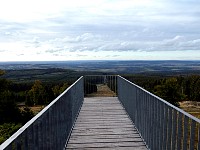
(192, 108)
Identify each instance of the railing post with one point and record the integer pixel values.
(180, 131)
(169, 128)
(174, 130)
(161, 125)
(186, 122)
(148, 121)
(192, 134)
(198, 138)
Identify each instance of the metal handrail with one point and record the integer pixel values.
(50, 128)
(161, 124)
(91, 81)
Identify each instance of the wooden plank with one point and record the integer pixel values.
(104, 145)
(114, 140)
(103, 124)
(102, 133)
(104, 129)
(108, 136)
(111, 148)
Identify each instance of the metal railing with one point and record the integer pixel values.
(91, 82)
(51, 128)
(161, 125)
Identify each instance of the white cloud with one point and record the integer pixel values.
(81, 28)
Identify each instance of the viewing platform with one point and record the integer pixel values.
(107, 112)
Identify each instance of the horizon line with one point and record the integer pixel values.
(102, 60)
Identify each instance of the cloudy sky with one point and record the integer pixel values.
(40, 30)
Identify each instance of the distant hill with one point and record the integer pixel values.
(166, 67)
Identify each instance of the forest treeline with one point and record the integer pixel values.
(12, 94)
(172, 88)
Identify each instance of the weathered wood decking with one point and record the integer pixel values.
(104, 124)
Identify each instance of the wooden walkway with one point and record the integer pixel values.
(104, 124)
(102, 91)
